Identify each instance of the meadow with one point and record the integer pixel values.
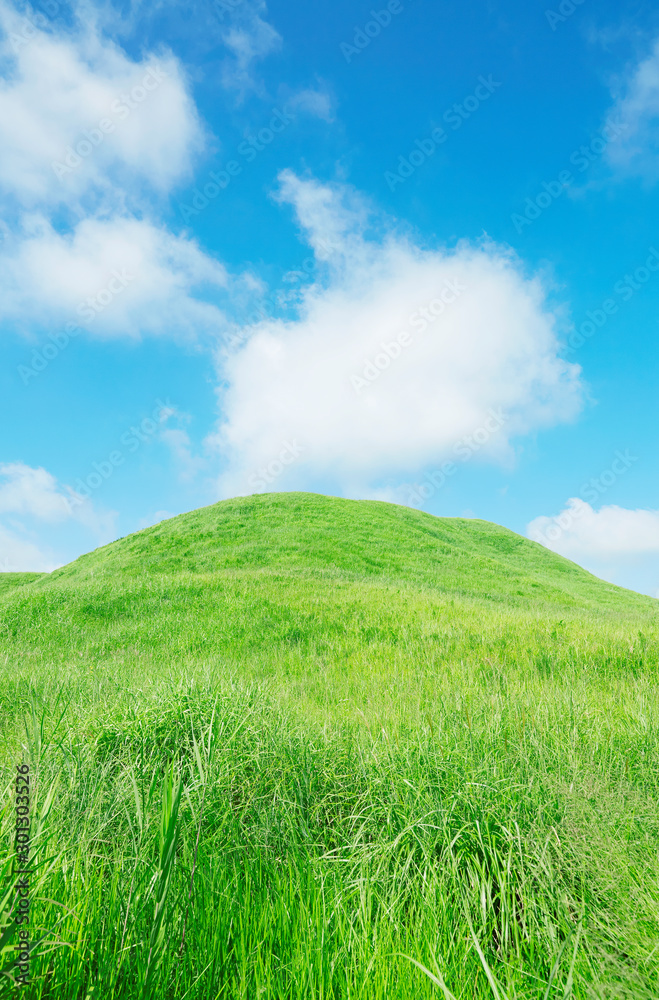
(292, 746)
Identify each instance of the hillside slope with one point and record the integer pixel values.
(9, 581)
(301, 576)
(300, 533)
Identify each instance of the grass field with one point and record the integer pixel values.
(9, 581)
(291, 746)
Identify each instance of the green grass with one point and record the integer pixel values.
(8, 581)
(290, 746)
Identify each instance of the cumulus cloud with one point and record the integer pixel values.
(637, 104)
(615, 543)
(78, 116)
(29, 498)
(580, 532)
(114, 276)
(88, 129)
(336, 387)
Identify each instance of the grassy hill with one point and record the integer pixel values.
(360, 540)
(8, 581)
(403, 755)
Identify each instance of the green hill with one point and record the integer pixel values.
(308, 534)
(417, 755)
(301, 568)
(8, 581)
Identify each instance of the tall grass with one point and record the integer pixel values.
(215, 843)
(302, 784)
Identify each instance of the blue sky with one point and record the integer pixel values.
(406, 252)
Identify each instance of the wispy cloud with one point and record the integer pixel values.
(31, 498)
(314, 101)
(637, 104)
(249, 37)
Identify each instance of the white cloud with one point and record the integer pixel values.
(330, 218)
(615, 543)
(178, 441)
(55, 91)
(20, 554)
(115, 277)
(637, 104)
(249, 38)
(29, 498)
(580, 532)
(113, 271)
(291, 382)
(24, 490)
(314, 101)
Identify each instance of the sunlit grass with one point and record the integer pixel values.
(281, 779)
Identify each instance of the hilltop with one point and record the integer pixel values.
(310, 534)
